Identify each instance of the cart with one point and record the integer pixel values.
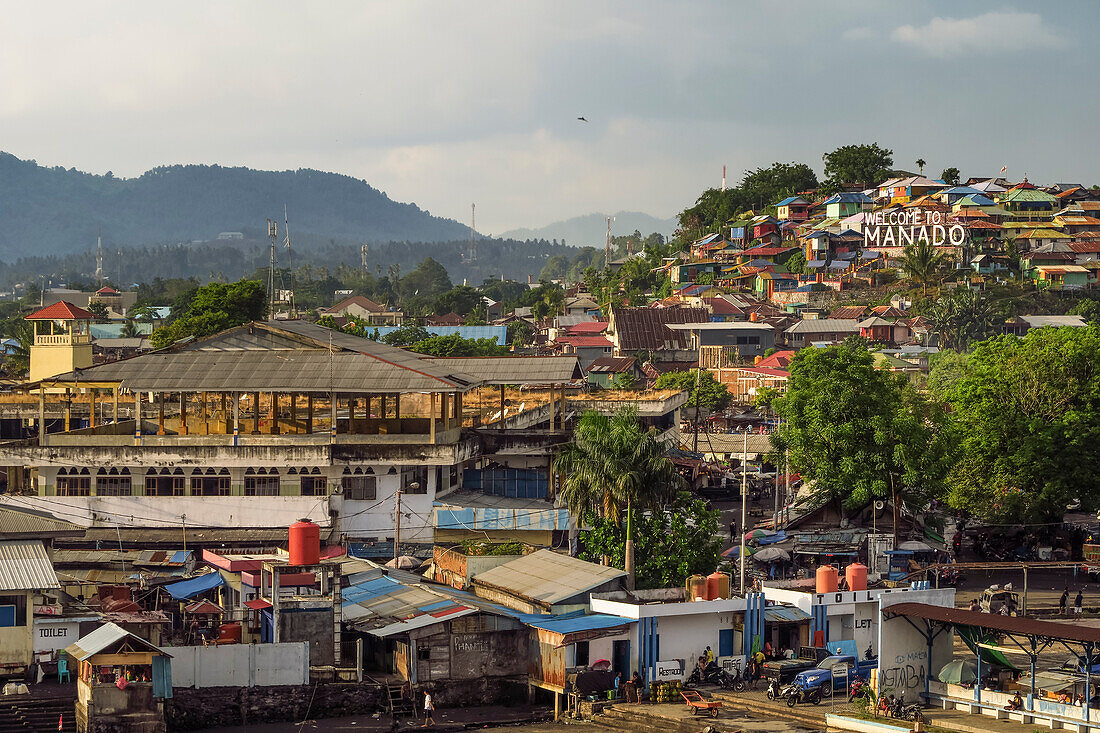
(697, 703)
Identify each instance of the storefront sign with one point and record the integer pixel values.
(47, 610)
(670, 669)
(911, 226)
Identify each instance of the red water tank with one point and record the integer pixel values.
(856, 576)
(305, 543)
(718, 586)
(827, 579)
(230, 633)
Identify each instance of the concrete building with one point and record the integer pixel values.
(263, 424)
(62, 340)
(25, 575)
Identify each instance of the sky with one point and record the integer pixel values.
(446, 103)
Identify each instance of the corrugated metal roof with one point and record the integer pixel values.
(104, 637)
(729, 442)
(19, 523)
(785, 613)
(645, 329)
(571, 624)
(995, 622)
(513, 369)
(547, 577)
(824, 325)
(290, 356)
(24, 565)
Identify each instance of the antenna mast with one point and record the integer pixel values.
(99, 258)
(272, 231)
(289, 260)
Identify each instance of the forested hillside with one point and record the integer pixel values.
(58, 211)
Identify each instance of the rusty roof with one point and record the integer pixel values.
(996, 622)
(645, 329)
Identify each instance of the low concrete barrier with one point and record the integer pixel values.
(858, 725)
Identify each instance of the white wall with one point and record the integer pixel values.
(241, 665)
(170, 511)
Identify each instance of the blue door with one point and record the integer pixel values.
(725, 642)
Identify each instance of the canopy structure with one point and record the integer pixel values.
(190, 588)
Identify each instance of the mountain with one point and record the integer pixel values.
(58, 211)
(591, 230)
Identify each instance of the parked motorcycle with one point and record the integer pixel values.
(795, 694)
(775, 690)
(712, 674)
(857, 688)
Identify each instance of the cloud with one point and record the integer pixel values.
(859, 33)
(1003, 31)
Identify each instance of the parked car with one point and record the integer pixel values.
(994, 598)
(822, 676)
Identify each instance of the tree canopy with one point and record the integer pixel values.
(1027, 412)
(860, 433)
(713, 395)
(859, 165)
(759, 189)
(211, 308)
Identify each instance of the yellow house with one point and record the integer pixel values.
(62, 340)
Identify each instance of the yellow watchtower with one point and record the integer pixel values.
(62, 340)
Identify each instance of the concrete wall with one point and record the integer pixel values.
(17, 642)
(241, 665)
(906, 661)
(312, 625)
(198, 709)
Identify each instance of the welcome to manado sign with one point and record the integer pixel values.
(896, 229)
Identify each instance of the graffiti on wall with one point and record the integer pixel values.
(906, 672)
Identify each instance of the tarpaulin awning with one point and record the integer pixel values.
(562, 631)
(192, 587)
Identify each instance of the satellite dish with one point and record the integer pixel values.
(880, 505)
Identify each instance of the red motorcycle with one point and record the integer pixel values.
(856, 689)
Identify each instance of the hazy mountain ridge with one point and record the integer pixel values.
(48, 211)
(590, 230)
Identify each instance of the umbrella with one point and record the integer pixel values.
(753, 534)
(735, 551)
(601, 665)
(771, 554)
(959, 671)
(405, 562)
(915, 546)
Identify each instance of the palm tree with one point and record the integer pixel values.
(963, 318)
(920, 164)
(615, 464)
(129, 330)
(922, 263)
(17, 360)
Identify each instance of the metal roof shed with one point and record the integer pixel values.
(24, 565)
(545, 579)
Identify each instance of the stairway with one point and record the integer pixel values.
(758, 706)
(399, 705)
(37, 715)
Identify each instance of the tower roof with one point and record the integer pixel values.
(62, 310)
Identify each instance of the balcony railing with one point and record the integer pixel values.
(62, 339)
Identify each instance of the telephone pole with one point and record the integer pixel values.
(744, 503)
(397, 525)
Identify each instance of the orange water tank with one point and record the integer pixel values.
(696, 588)
(229, 633)
(827, 578)
(856, 576)
(718, 586)
(305, 543)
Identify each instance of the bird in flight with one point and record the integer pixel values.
(582, 119)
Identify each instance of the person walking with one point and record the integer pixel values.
(429, 710)
(1063, 602)
(1077, 602)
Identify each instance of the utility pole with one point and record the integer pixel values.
(744, 503)
(787, 476)
(698, 373)
(775, 518)
(289, 261)
(397, 525)
(272, 233)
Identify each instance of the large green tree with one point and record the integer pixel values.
(964, 317)
(215, 307)
(1028, 420)
(680, 540)
(613, 466)
(861, 433)
(859, 165)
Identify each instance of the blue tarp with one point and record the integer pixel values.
(772, 538)
(573, 624)
(190, 588)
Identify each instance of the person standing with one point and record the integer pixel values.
(1063, 602)
(1080, 599)
(429, 710)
